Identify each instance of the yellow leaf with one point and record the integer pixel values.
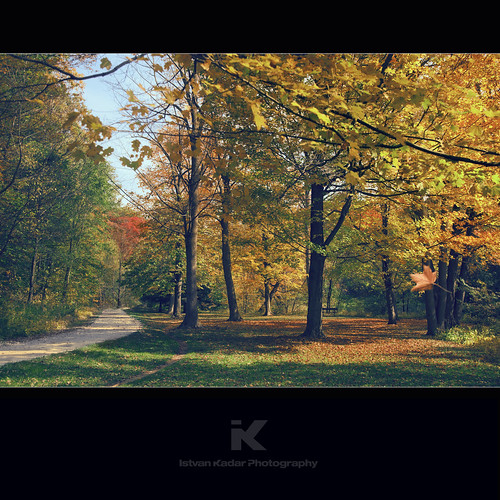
(357, 112)
(259, 120)
(131, 96)
(352, 178)
(324, 118)
(206, 64)
(36, 101)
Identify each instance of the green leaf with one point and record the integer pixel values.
(426, 103)
(475, 130)
(70, 119)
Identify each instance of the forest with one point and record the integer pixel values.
(314, 185)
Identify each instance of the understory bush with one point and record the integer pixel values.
(26, 320)
(484, 340)
(468, 335)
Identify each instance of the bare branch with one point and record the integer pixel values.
(71, 76)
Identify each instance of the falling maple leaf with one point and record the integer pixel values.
(425, 280)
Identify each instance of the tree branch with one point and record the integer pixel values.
(340, 221)
(71, 76)
(365, 124)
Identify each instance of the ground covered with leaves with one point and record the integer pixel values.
(264, 352)
(356, 352)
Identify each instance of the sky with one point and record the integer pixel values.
(103, 101)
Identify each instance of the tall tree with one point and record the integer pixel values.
(372, 103)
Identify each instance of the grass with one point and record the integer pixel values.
(266, 352)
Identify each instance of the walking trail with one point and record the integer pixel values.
(111, 324)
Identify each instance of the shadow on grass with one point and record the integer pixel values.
(196, 372)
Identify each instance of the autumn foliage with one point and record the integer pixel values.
(271, 183)
(314, 164)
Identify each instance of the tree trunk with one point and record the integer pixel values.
(430, 307)
(234, 314)
(67, 274)
(31, 291)
(191, 230)
(177, 299)
(390, 298)
(171, 296)
(48, 272)
(450, 286)
(329, 294)
(267, 299)
(460, 293)
(314, 326)
(119, 298)
(269, 293)
(441, 294)
(191, 239)
(307, 205)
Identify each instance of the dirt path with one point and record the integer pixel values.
(111, 324)
(182, 350)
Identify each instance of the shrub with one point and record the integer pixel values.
(25, 320)
(484, 340)
(483, 304)
(467, 335)
(489, 350)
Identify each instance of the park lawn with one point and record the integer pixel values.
(264, 352)
(267, 352)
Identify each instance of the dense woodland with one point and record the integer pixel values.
(271, 184)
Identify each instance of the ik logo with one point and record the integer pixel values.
(238, 434)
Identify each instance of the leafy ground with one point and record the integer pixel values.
(264, 352)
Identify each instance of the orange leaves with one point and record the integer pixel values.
(126, 231)
(425, 280)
